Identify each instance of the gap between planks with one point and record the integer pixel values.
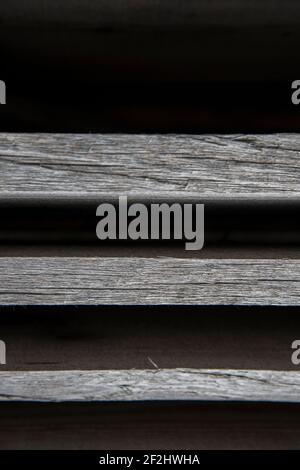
(158, 15)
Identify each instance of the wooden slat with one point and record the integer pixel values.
(156, 165)
(164, 384)
(94, 281)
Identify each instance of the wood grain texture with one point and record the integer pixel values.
(156, 165)
(164, 384)
(121, 281)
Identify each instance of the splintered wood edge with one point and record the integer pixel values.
(144, 385)
(173, 166)
(148, 281)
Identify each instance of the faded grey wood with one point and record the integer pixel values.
(162, 280)
(164, 384)
(156, 165)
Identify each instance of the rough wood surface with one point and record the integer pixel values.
(96, 281)
(162, 165)
(164, 384)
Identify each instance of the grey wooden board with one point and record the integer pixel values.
(96, 281)
(156, 165)
(164, 384)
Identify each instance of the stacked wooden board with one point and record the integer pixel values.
(209, 168)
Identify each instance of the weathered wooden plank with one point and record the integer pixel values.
(164, 384)
(157, 165)
(95, 281)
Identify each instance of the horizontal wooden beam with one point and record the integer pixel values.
(199, 166)
(164, 384)
(165, 280)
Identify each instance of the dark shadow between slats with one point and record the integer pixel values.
(87, 338)
(66, 226)
(149, 426)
